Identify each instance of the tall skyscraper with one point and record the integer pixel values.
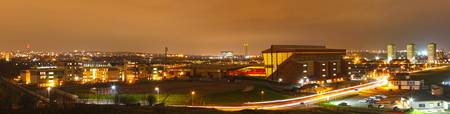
(245, 49)
(431, 52)
(391, 52)
(411, 52)
(166, 50)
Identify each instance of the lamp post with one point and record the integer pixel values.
(49, 89)
(157, 93)
(114, 91)
(96, 95)
(192, 97)
(262, 95)
(411, 100)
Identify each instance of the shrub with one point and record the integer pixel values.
(128, 100)
(151, 100)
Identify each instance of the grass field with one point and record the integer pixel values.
(433, 76)
(178, 92)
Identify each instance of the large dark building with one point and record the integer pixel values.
(304, 64)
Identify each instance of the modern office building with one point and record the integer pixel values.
(48, 76)
(391, 52)
(131, 71)
(411, 52)
(304, 64)
(95, 72)
(431, 49)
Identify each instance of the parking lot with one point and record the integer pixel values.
(379, 98)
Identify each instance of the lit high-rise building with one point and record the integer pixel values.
(391, 52)
(411, 52)
(431, 52)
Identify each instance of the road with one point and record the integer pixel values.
(303, 101)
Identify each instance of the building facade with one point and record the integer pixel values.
(391, 52)
(304, 64)
(43, 76)
(411, 52)
(431, 49)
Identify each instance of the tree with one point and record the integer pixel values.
(151, 100)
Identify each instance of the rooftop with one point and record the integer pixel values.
(300, 48)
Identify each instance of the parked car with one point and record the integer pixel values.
(343, 104)
(380, 96)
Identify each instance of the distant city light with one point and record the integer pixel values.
(422, 53)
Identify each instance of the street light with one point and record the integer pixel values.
(192, 97)
(157, 93)
(48, 93)
(113, 87)
(96, 94)
(114, 90)
(262, 95)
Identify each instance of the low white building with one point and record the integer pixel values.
(431, 105)
(425, 101)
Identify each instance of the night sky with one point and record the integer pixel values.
(210, 26)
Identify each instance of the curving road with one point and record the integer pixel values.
(298, 101)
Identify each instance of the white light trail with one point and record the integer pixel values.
(333, 93)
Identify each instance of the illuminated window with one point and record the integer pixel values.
(334, 74)
(42, 73)
(323, 75)
(334, 63)
(51, 73)
(349, 72)
(304, 71)
(334, 68)
(349, 67)
(323, 69)
(305, 65)
(323, 64)
(349, 62)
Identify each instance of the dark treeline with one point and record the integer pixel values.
(10, 69)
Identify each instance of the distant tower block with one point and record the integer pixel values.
(166, 50)
(431, 52)
(245, 49)
(411, 52)
(391, 52)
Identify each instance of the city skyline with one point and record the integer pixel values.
(224, 56)
(208, 27)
